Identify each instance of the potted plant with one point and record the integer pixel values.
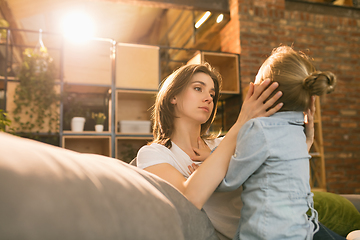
(99, 121)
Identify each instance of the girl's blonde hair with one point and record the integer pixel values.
(298, 80)
(163, 111)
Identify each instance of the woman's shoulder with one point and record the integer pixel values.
(152, 154)
(153, 148)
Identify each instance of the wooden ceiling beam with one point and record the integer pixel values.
(211, 5)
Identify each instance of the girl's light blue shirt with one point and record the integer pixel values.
(271, 161)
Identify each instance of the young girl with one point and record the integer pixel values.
(271, 159)
(184, 109)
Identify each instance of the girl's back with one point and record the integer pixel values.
(277, 195)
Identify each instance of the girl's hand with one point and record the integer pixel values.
(309, 123)
(192, 168)
(202, 152)
(254, 103)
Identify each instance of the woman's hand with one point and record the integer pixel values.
(202, 152)
(254, 103)
(309, 123)
(192, 168)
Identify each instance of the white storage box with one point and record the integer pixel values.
(134, 126)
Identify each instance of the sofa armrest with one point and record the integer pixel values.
(354, 199)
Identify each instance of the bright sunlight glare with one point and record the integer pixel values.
(78, 27)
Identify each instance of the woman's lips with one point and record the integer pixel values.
(205, 109)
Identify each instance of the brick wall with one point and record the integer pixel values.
(331, 36)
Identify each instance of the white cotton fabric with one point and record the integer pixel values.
(223, 208)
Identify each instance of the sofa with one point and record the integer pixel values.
(47, 192)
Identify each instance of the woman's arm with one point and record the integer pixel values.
(203, 182)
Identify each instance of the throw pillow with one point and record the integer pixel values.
(336, 213)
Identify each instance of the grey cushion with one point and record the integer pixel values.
(48, 192)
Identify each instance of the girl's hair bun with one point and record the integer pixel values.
(319, 83)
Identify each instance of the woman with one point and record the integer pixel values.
(184, 110)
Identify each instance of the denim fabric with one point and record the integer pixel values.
(271, 161)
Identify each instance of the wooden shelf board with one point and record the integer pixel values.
(10, 78)
(82, 88)
(136, 94)
(67, 132)
(136, 136)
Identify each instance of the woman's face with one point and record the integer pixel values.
(195, 102)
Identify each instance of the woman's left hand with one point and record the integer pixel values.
(192, 168)
(254, 104)
(309, 123)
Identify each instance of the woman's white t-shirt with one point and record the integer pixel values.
(223, 208)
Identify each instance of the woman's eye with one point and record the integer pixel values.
(212, 95)
(198, 89)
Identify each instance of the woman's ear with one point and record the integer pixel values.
(173, 100)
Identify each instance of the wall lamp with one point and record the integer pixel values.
(206, 17)
(202, 19)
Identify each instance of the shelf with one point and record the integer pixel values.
(83, 100)
(88, 62)
(133, 105)
(226, 64)
(127, 148)
(88, 144)
(120, 81)
(137, 66)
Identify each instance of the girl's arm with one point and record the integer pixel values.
(309, 123)
(203, 182)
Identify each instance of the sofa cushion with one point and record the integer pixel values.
(52, 193)
(336, 213)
